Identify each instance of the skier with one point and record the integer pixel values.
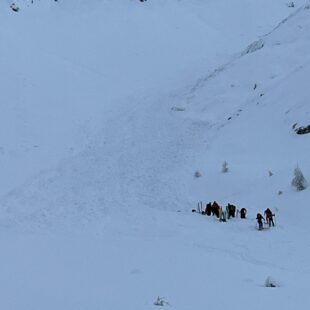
(260, 219)
(243, 213)
(269, 217)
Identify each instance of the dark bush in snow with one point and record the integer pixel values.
(225, 167)
(197, 174)
(270, 282)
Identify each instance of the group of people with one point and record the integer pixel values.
(223, 213)
(269, 219)
(230, 211)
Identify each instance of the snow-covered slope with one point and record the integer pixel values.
(109, 108)
(67, 64)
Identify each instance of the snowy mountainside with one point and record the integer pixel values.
(148, 147)
(72, 63)
(99, 154)
(252, 104)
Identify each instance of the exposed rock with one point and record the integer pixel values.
(302, 130)
(255, 46)
(14, 7)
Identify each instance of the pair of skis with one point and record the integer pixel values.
(199, 207)
(266, 226)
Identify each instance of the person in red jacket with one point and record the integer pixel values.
(215, 209)
(269, 217)
(260, 219)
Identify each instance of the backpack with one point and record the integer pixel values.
(268, 213)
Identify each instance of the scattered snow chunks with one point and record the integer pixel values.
(270, 282)
(253, 47)
(299, 182)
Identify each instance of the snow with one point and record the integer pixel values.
(108, 109)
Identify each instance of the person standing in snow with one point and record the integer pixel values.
(260, 219)
(231, 210)
(215, 209)
(269, 217)
(243, 213)
(208, 209)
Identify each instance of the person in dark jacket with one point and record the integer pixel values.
(231, 209)
(208, 209)
(243, 212)
(260, 219)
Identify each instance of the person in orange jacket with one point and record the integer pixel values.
(269, 217)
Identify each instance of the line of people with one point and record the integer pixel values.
(230, 211)
(223, 213)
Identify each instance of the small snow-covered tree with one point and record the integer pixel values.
(160, 301)
(299, 181)
(225, 167)
(270, 173)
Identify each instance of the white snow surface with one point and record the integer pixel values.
(107, 110)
